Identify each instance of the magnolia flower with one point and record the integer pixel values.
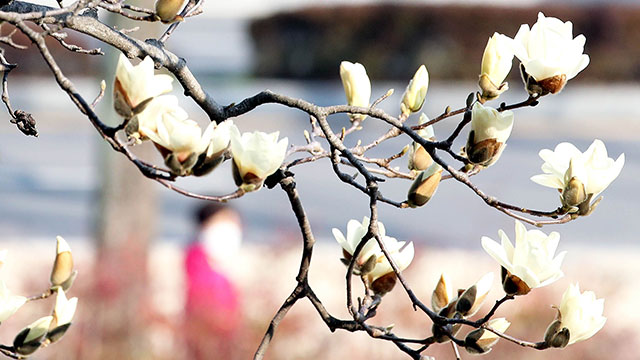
(179, 141)
(549, 54)
(62, 315)
(531, 263)
(147, 121)
(489, 132)
(416, 92)
(419, 158)
(496, 65)
(371, 261)
(9, 303)
(62, 271)
(580, 177)
(357, 86)
(579, 318)
(256, 155)
(135, 86)
(480, 341)
(214, 154)
(424, 186)
(30, 338)
(167, 10)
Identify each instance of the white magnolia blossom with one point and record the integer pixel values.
(594, 169)
(220, 137)
(532, 259)
(402, 255)
(165, 106)
(9, 303)
(581, 313)
(182, 137)
(549, 49)
(256, 155)
(489, 132)
(357, 86)
(64, 310)
(416, 91)
(496, 65)
(134, 85)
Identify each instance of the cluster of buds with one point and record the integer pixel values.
(371, 263)
(48, 329)
(185, 148)
(457, 304)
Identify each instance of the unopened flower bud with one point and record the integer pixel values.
(416, 91)
(424, 186)
(443, 294)
(470, 301)
(167, 10)
(357, 86)
(30, 338)
(63, 264)
(62, 315)
(496, 65)
(419, 158)
(480, 341)
(556, 336)
(513, 285)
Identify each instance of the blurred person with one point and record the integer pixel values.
(212, 307)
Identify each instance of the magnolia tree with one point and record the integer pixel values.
(549, 56)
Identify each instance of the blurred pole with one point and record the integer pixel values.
(125, 227)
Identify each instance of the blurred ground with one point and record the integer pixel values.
(262, 273)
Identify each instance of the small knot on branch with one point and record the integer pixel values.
(25, 123)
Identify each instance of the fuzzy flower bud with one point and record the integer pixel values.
(424, 186)
(30, 338)
(167, 10)
(63, 264)
(357, 86)
(416, 92)
(419, 158)
(480, 341)
(496, 65)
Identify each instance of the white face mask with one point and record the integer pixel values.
(222, 242)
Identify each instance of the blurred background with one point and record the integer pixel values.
(142, 257)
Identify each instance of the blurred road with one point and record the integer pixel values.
(48, 185)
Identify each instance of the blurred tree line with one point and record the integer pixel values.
(393, 40)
